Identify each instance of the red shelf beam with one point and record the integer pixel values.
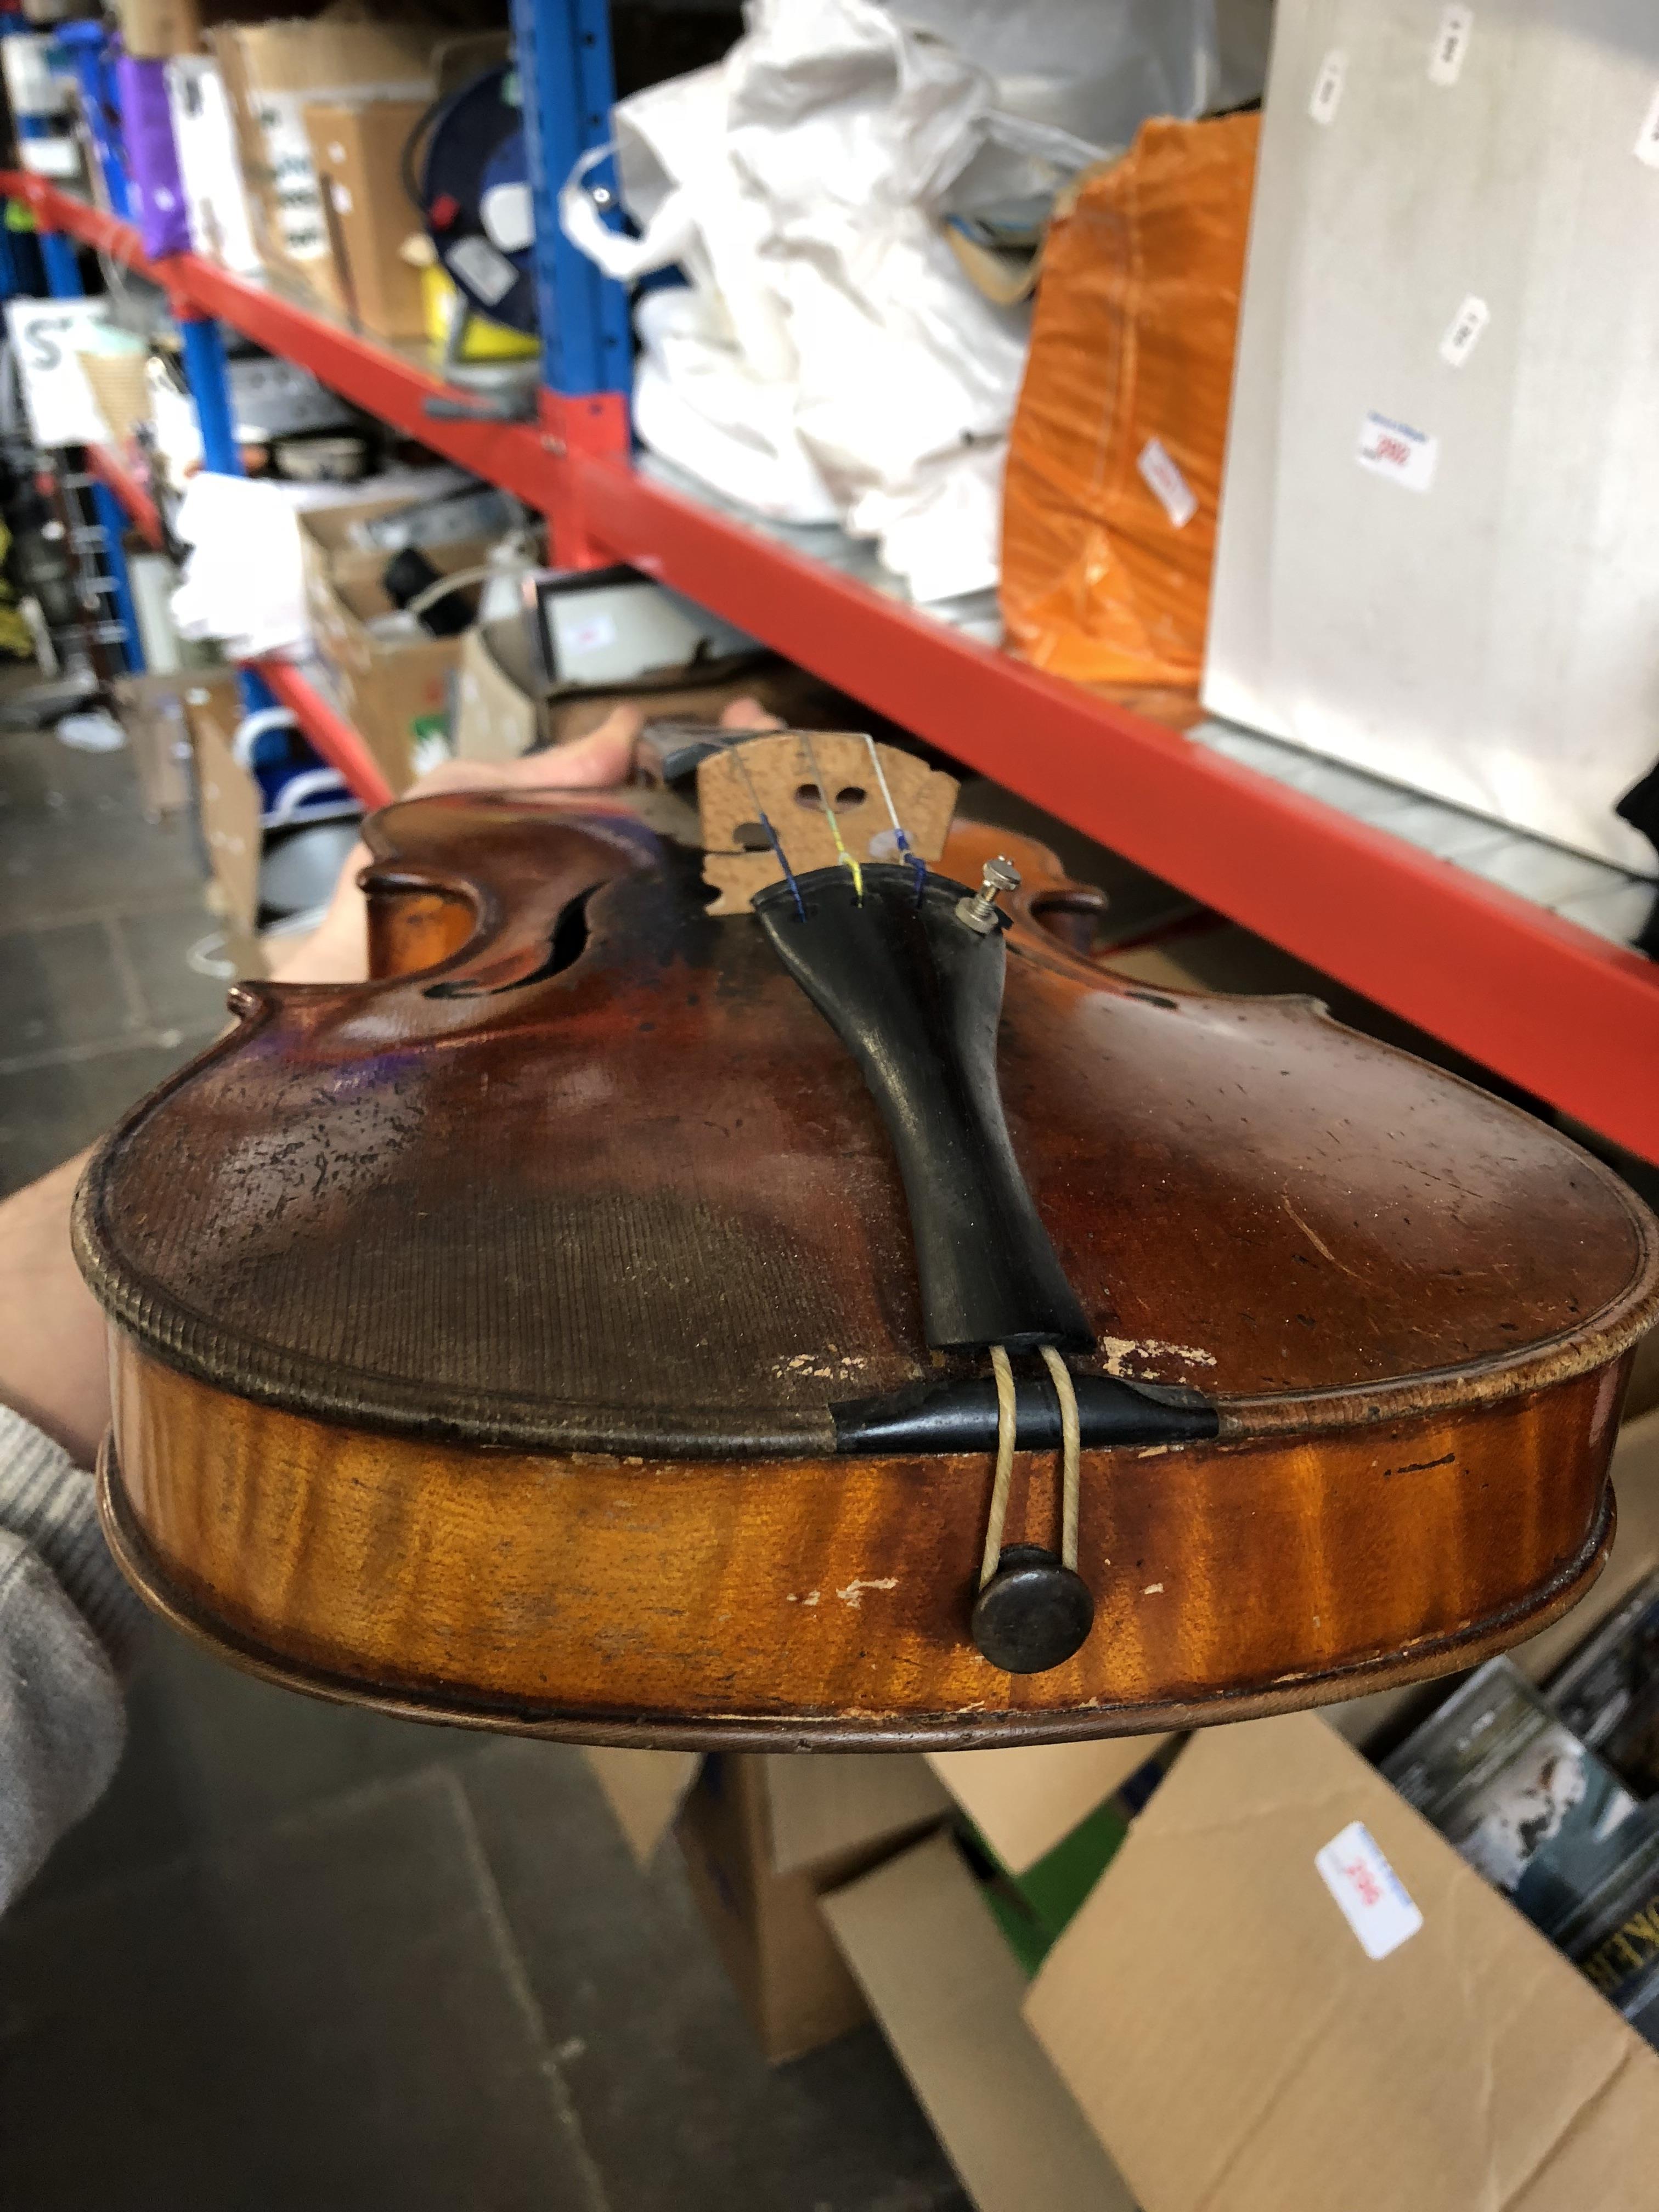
(521, 458)
(1565, 1014)
(331, 735)
(1561, 1012)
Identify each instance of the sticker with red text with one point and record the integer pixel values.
(1394, 449)
(1370, 1894)
(1166, 483)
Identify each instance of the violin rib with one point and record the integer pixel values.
(477, 1331)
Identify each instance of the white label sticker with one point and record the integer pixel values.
(588, 633)
(1167, 486)
(1372, 1898)
(1328, 86)
(490, 274)
(341, 196)
(1463, 331)
(1451, 43)
(1393, 449)
(1647, 142)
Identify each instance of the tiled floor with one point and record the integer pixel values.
(302, 1956)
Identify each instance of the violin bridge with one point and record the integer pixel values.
(785, 776)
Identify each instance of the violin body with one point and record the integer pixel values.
(482, 1336)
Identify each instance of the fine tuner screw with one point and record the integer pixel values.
(980, 912)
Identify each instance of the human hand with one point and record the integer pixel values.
(337, 951)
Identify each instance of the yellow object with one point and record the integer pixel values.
(485, 341)
(1115, 460)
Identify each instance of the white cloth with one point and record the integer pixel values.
(830, 360)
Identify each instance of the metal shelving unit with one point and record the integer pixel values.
(1537, 987)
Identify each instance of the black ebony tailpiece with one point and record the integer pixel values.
(916, 996)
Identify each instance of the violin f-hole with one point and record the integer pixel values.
(564, 948)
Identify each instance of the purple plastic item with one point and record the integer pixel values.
(157, 194)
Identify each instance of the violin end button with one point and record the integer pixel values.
(1034, 1613)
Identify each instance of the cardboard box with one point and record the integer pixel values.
(763, 1837)
(356, 149)
(947, 1992)
(494, 704)
(495, 716)
(1233, 2040)
(271, 70)
(229, 798)
(151, 710)
(645, 1790)
(1026, 1798)
(154, 30)
(396, 692)
(1439, 525)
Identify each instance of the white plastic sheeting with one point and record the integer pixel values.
(829, 361)
(242, 583)
(244, 580)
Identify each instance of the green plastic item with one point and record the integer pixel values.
(1032, 1908)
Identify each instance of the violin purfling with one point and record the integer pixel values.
(791, 1294)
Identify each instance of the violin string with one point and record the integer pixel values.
(734, 746)
(846, 858)
(1002, 1369)
(908, 853)
(1070, 1452)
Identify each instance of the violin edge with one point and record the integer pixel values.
(1426, 1660)
(209, 1353)
(196, 1345)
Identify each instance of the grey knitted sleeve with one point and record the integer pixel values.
(68, 1625)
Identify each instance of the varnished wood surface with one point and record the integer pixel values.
(825, 1602)
(647, 1204)
(476, 1330)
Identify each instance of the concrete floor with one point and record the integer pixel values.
(305, 1956)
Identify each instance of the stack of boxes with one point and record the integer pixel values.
(1235, 1970)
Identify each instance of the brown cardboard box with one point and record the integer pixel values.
(356, 149)
(945, 1987)
(645, 1790)
(151, 710)
(1026, 1798)
(496, 715)
(154, 30)
(388, 689)
(1232, 2044)
(229, 798)
(762, 1836)
(495, 707)
(270, 70)
(765, 1920)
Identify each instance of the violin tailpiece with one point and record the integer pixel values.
(915, 994)
(808, 785)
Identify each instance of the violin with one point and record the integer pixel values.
(744, 1275)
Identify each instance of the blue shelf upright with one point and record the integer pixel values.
(567, 89)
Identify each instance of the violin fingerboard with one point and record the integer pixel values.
(787, 776)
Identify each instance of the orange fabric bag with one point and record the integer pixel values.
(1115, 460)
